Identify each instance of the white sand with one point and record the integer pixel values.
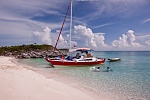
(18, 83)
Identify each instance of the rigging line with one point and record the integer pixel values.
(62, 26)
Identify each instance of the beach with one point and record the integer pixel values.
(128, 79)
(19, 83)
(33, 79)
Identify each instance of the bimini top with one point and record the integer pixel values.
(81, 50)
(84, 49)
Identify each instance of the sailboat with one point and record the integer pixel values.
(78, 56)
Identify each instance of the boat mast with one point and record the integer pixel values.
(70, 23)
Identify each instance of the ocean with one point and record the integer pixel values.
(129, 78)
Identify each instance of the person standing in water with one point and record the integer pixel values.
(108, 69)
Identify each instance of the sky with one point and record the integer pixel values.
(104, 25)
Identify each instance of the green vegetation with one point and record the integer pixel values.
(15, 50)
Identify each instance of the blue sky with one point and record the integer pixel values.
(98, 24)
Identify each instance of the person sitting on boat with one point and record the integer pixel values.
(78, 55)
(88, 54)
(82, 57)
(69, 58)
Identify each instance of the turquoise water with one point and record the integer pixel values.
(128, 80)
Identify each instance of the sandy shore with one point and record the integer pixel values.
(18, 83)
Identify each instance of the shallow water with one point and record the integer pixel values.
(128, 80)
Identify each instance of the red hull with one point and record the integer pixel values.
(74, 63)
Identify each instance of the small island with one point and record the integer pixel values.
(31, 51)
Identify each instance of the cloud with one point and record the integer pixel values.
(106, 24)
(16, 19)
(99, 39)
(25, 22)
(43, 37)
(144, 40)
(147, 42)
(89, 39)
(118, 8)
(127, 41)
(86, 38)
(145, 21)
(85, 35)
(47, 37)
(62, 43)
(20, 12)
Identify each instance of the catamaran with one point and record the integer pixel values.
(76, 56)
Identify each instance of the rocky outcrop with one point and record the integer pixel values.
(34, 54)
(31, 51)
